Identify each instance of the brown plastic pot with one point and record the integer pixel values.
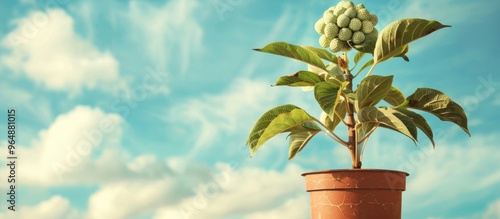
(355, 193)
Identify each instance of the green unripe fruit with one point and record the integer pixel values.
(350, 12)
(355, 24)
(343, 20)
(331, 30)
(345, 34)
(374, 19)
(327, 17)
(324, 41)
(319, 26)
(339, 8)
(360, 6)
(348, 4)
(372, 36)
(333, 20)
(358, 37)
(336, 45)
(363, 14)
(327, 12)
(367, 27)
(340, 4)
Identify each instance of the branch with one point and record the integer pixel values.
(331, 134)
(371, 69)
(335, 137)
(356, 64)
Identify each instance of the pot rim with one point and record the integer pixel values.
(353, 170)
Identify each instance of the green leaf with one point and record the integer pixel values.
(364, 128)
(264, 121)
(323, 53)
(298, 141)
(368, 46)
(373, 89)
(296, 120)
(440, 105)
(395, 37)
(403, 54)
(389, 118)
(301, 78)
(395, 97)
(327, 94)
(335, 72)
(339, 114)
(295, 52)
(358, 56)
(419, 121)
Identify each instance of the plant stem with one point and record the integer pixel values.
(351, 131)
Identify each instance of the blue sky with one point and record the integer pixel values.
(140, 109)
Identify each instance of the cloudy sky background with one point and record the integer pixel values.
(140, 109)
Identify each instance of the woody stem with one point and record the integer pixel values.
(351, 123)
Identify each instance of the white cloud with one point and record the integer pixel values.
(83, 146)
(84, 143)
(208, 197)
(446, 172)
(168, 31)
(154, 189)
(493, 210)
(45, 47)
(67, 146)
(129, 199)
(248, 191)
(56, 207)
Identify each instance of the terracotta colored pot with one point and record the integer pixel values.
(355, 193)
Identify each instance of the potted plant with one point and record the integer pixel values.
(345, 27)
